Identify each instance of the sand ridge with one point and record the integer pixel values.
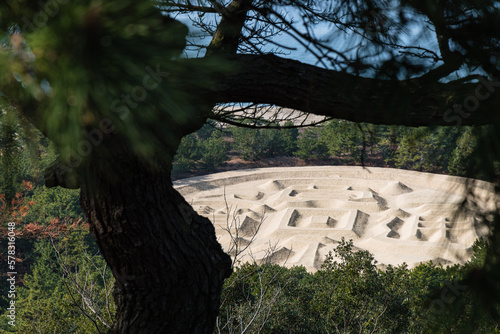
(296, 215)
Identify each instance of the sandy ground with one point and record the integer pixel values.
(296, 215)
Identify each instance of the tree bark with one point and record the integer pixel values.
(168, 265)
(288, 83)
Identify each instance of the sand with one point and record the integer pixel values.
(297, 215)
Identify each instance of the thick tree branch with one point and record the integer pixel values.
(268, 79)
(228, 34)
(452, 59)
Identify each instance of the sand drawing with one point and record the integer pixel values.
(296, 215)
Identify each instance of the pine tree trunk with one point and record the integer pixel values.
(168, 265)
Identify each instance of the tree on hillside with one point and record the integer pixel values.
(214, 151)
(460, 157)
(107, 83)
(253, 144)
(311, 146)
(289, 137)
(389, 138)
(247, 143)
(343, 137)
(187, 154)
(426, 149)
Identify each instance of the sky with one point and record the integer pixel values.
(417, 35)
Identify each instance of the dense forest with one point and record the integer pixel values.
(66, 287)
(439, 150)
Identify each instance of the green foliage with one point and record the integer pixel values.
(271, 142)
(479, 253)
(460, 160)
(214, 151)
(426, 149)
(187, 154)
(24, 153)
(54, 202)
(289, 139)
(351, 295)
(370, 135)
(252, 144)
(39, 300)
(343, 137)
(247, 143)
(206, 144)
(67, 277)
(356, 297)
(206, 130)
(388, 141)
(266, 299)
(311, 146)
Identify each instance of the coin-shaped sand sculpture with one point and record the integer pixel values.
(296, 215)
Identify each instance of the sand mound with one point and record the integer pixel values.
(395, 188)
(296, 215)
(271, 185)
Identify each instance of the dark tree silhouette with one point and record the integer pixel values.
(106, 82)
